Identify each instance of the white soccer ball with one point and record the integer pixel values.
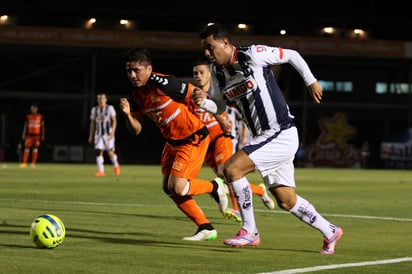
(47, 231)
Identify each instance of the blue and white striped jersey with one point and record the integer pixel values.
(103, 119)
(250, 83)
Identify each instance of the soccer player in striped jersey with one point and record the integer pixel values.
(34, 132)
(162, 98)
(243, 75)
(221, 146)
(239, 129)
(102, 130)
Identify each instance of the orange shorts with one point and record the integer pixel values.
(32, 141)
(219, 151)
(184, 161)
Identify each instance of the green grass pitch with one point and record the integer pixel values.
(126, 224)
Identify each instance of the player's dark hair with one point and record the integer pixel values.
(200, 59)
(218, 31)
(142, 56)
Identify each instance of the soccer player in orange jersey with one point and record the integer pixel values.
(33, 134)
(221, 146)
(161, 98)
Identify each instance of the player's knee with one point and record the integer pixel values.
(286, 204)
(232, 174)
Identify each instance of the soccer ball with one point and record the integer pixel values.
(47, 231)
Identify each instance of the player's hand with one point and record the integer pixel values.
(316, 91)
(198, 95)
(124, 106)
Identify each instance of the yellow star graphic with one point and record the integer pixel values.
(336, 130)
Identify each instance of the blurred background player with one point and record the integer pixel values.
(221, 133)
(102, 130)
(239, 130)
(33, 134)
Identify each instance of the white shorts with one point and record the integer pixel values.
(102, 143)
(273, 156)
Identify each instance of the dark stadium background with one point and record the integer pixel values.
(64, 78)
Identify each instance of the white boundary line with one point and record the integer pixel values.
(288, 271)
(257, 210)
(335, 266)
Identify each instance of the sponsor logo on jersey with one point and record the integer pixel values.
(161, 80)
(240, 89)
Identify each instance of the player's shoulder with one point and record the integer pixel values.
(170, 85)
(257, 49)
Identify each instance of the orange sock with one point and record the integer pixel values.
(34, 155)
(198, 186)
(25, 156)
(256, 189)
(189, 207)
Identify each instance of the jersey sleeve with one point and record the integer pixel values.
(171, 86)
(266, 55)
(92, 113)
(215, 94)
(112, 111)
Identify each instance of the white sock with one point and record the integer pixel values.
(243, 194)
(114, 161)
(100, 162)
(306, 212)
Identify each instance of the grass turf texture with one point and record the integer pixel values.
(126, 224)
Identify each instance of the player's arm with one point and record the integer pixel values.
(43, 130)
(92, 127)
(243, 135)
(171, 86)
(299, 64)
(224, 123)
(211, 100)
(23, 135)
(133, 120)
(114, 126)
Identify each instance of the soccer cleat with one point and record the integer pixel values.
(329, 244)
(203, 235)
(243, 238)
(117, 170)
(33, 165)
(219, 194)
(23, 165)
(233, 214)
(99, 174)
(267, 201)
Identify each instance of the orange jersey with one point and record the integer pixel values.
(175, 122)
(171, 115)
(220, 147)
(34, 124)
(208, 119)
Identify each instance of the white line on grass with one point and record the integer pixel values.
(335, 266)
(256, 210)
(74, 203)
(289, 271)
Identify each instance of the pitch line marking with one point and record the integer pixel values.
(289, 271)
(336, 266)
(257, 210)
